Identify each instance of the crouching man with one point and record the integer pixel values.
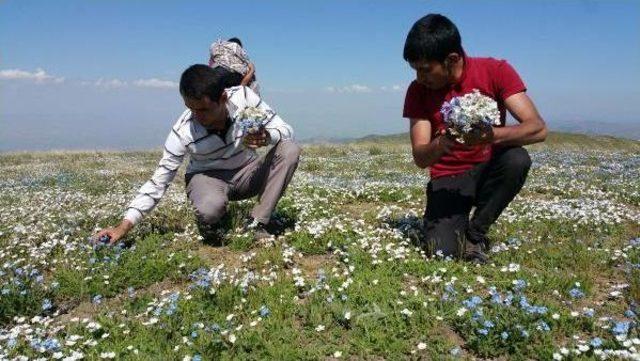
(490, 168)
(223, 163)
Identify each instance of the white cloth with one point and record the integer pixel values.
(232, 57)
(207, 151)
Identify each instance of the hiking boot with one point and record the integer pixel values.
(474, 253)
(259, 230)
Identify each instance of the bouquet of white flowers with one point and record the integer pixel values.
(468, 113)
(251, 120)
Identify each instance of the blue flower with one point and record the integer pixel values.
(596, 342)
(51, 344)
(97, 299)
(194, 334)
(472, 302)
(196, 358)
(621, 328)
(504, 335)
(264, 311)
(12, 342)
(576, 293)
(46, 305)
(542, 326)
(483, 331)
(519, 285)
(630, 314)
(488, 324)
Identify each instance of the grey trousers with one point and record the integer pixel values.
(267, 177)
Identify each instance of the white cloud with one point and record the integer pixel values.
(110, 83)
(39, 75)
(353, 88)
(392, 88)
(155, 83)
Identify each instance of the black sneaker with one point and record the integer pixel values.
(211, 234)
(258, 229)
(474, 253)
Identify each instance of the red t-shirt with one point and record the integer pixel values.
(492, 77)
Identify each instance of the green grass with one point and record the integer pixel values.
(344, 280)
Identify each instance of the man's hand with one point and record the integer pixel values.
(443, 143)
(483, 134)
(113, 234)
(248, 77)
(257, 140)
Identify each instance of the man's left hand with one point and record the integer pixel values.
(257, 140)
(482, 134)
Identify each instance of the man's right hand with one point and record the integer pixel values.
(444, 143)
(114, 234)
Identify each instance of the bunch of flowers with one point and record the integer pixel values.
(469, 112)
(251, 120)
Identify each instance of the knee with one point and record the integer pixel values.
(517, 160)
(211, 211)
(289, 151)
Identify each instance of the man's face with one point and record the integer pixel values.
(206, 111)
(432, 74)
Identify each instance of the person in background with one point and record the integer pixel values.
(231, 55)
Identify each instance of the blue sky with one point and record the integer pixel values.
(331, 68)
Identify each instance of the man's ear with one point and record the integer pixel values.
(223, 98)
(451, 60)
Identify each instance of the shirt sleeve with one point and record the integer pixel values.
(152, 191)
(414, 102)
(507, 81)
(278, 129)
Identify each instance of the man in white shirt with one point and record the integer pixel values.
(223, 162)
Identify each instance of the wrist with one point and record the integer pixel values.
(125, 226)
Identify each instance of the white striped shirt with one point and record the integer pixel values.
(207, 151)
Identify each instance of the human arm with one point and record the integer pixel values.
(426, 151)
(248, 77)
(275, 129)
(531, 128)
(152, 191)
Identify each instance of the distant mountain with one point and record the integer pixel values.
(621, 130)
(564, 140)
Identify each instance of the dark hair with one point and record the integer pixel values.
(433, 37)
(200, 80)
(235, 40)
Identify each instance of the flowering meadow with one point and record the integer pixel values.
(344, 281)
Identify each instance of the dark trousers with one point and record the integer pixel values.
(489, 187)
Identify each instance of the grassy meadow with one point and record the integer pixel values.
(344, 281)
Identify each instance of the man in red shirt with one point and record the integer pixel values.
(489, 169)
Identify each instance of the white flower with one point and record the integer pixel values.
(232, 338)
(320, 328)
(461, 311)
(108, 355)
(422, 346)
(405, 312)
(337, 354)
